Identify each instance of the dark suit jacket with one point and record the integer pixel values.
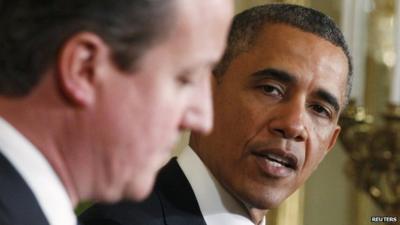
(171, 203)
(18, 205)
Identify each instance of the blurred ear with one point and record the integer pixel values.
(334, 137)
(80, 62)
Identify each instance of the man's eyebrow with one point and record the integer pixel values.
(329, 98)
(285, 77)
(275, 74)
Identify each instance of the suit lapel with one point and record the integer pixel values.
(177, 198)
(18, 205)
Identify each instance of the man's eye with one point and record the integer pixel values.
(272, 90)
(184, 79)
(321, 111)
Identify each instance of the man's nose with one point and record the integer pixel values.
(289, 121)
(199, 114)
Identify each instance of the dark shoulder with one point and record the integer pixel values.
(167, 189)
(125, 213)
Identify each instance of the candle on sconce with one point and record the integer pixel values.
(395, 83)
(354, 22)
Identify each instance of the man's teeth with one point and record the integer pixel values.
(275, 164)
(277, 161)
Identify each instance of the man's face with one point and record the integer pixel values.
(143, 112)
(276, 113)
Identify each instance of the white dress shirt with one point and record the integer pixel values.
(38, 174)
(216, 204)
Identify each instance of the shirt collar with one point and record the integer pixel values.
(216, 204)
(38, 174)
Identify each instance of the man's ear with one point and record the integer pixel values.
(334, 137)
(79, 63)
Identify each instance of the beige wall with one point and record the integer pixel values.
(328, 192)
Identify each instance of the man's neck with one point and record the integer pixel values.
(257, 215)
(29, 121)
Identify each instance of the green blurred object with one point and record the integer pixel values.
(82, 207)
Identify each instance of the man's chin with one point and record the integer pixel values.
(139, 191)
(134, 191)
(267, 202)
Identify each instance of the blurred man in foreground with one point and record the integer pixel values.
(278, 93)
(93, 95)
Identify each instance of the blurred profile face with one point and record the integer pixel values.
(142, 112)
(276, 113)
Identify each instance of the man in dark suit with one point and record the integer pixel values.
(93, 95)
(278, 93)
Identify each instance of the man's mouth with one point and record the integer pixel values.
(276, 163)
(279, 160)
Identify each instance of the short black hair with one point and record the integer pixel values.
(249, 23)
(33, 31)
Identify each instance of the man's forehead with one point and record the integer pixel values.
(298, 53)
(273, 33)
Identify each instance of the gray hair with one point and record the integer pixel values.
(248, 24)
